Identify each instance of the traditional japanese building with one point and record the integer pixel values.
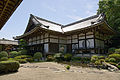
(86, 36)
(8, 45)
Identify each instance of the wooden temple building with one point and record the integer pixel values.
(7, 7)
(86, 36)
(8, 45)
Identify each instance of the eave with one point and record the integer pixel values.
(7, 7)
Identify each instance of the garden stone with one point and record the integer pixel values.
(110, 67)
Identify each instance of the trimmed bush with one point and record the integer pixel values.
(76, 59)
(58, 57)
(3, 54)
(21, 60)
(107, 59)
(23, 52)
(14, 54)
(68, 67)
(94, 58)
(38, 56)
(98, 62)
(112, 60)
(118, 66)
(11, 59)
(23, 57)
(101, 57)
(111, 50)
(4, 59)
(116, 56)
(68, 57)
(50, 58)
(117, 51)
(29, 59)
(9, 66)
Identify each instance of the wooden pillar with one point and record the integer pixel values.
(71, 43)
(85, 43)
(94, 40)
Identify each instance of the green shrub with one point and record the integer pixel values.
(68, 57)
(68, 67)
(14, 54)
(101, 57)
(117, 51)
(11, 59)
(9, 66)
(21, 60)
(102, 60)
(111, 50)
(50, 58)
(23, 52)
(112, 60)
(38, 56)
(85, 59)
(94, 58)
(98, 62)
(76, 59)
(116, 56)
(23, 57)
(118, 66)
(107, 59)
(29, 59)
(3, 54)
(4, 59)
(58, 57)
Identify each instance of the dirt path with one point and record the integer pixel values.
(54, 71)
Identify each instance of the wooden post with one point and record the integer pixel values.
(94, 40)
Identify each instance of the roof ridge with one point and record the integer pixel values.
(48, 21)
(82, 20)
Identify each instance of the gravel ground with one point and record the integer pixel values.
(54, 71)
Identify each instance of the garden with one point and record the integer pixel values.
(11, 62)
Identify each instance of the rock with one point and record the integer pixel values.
(110, 67)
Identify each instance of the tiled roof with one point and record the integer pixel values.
(9, 42)
(65, 28)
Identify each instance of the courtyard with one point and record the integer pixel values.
(55, 71)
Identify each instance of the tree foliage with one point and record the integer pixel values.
(111, 8)
(22, 44)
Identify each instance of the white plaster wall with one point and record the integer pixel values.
(53, 36)
(75, 41)
(38, 37)
(81, 34)
(46, 35)
(63, 41)
(41, 41)
(46, 40)
(90, 36)
(81, 37)
(41, 36)
(89, 33)
(68, 37)
(68, 41)
(74, 36)
(53, 40)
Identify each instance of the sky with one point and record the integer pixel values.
(59, 11)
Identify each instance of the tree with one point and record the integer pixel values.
(111, 8)
(22, 44)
